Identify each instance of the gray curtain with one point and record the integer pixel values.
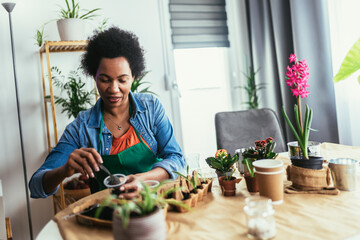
(278, 28)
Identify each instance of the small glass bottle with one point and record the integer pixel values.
(260, 217)
(239, 163)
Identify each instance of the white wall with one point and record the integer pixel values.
(139, 16)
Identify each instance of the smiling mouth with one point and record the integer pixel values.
(114, 99)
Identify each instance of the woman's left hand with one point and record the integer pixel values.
(131, 188)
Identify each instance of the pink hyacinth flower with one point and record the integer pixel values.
(292, 58)
(297, 76)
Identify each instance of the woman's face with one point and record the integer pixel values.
(113, 81)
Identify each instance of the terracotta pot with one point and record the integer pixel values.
(152, 226)
(228, 187)
(251, 183)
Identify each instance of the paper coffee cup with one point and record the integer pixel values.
(269, 177)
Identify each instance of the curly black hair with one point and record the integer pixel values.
(111, 43)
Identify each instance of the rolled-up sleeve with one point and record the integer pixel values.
(36, 186)
(57, 157)
(175, 163)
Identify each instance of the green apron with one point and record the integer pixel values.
(135, 159)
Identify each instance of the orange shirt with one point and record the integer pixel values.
(125, 141)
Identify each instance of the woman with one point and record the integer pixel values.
(127, 132)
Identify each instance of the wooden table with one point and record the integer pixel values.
(301, 216)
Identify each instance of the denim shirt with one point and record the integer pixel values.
(149, 119)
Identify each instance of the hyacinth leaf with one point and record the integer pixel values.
(292, 128)
(297, 118)
(312, 129)
(350, 64)
(306, 131)
(308, 121)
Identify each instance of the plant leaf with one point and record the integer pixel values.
(350, 64)
(297, 118)
(292, 127)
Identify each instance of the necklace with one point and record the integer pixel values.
(118, 126)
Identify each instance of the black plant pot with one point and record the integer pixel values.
(311, 163)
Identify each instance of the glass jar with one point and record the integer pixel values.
(240, 166)
(260, 217)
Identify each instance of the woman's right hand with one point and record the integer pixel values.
(84, 161)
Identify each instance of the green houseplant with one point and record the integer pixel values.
(103, 25)
(71, 23)
(252, 89)
(135, 87)
(350, 64)
(193, 188)
(39, 36)
(222, 162)
(78, 98)
(193, 181)
(142, 217)
(263, 149)
(73, 11)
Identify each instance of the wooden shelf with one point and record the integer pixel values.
(64, 46)
(60, 201)
(8, 229)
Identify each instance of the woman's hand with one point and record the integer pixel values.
(131, 188)
(84, 161)
(133, 182)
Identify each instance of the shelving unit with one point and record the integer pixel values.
(55, 47)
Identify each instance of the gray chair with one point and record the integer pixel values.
(240, 129)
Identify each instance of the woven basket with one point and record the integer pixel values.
(308, 179)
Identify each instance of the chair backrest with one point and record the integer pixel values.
(240, 129)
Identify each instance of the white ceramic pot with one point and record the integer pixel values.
(148, 227)
(72, 29)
